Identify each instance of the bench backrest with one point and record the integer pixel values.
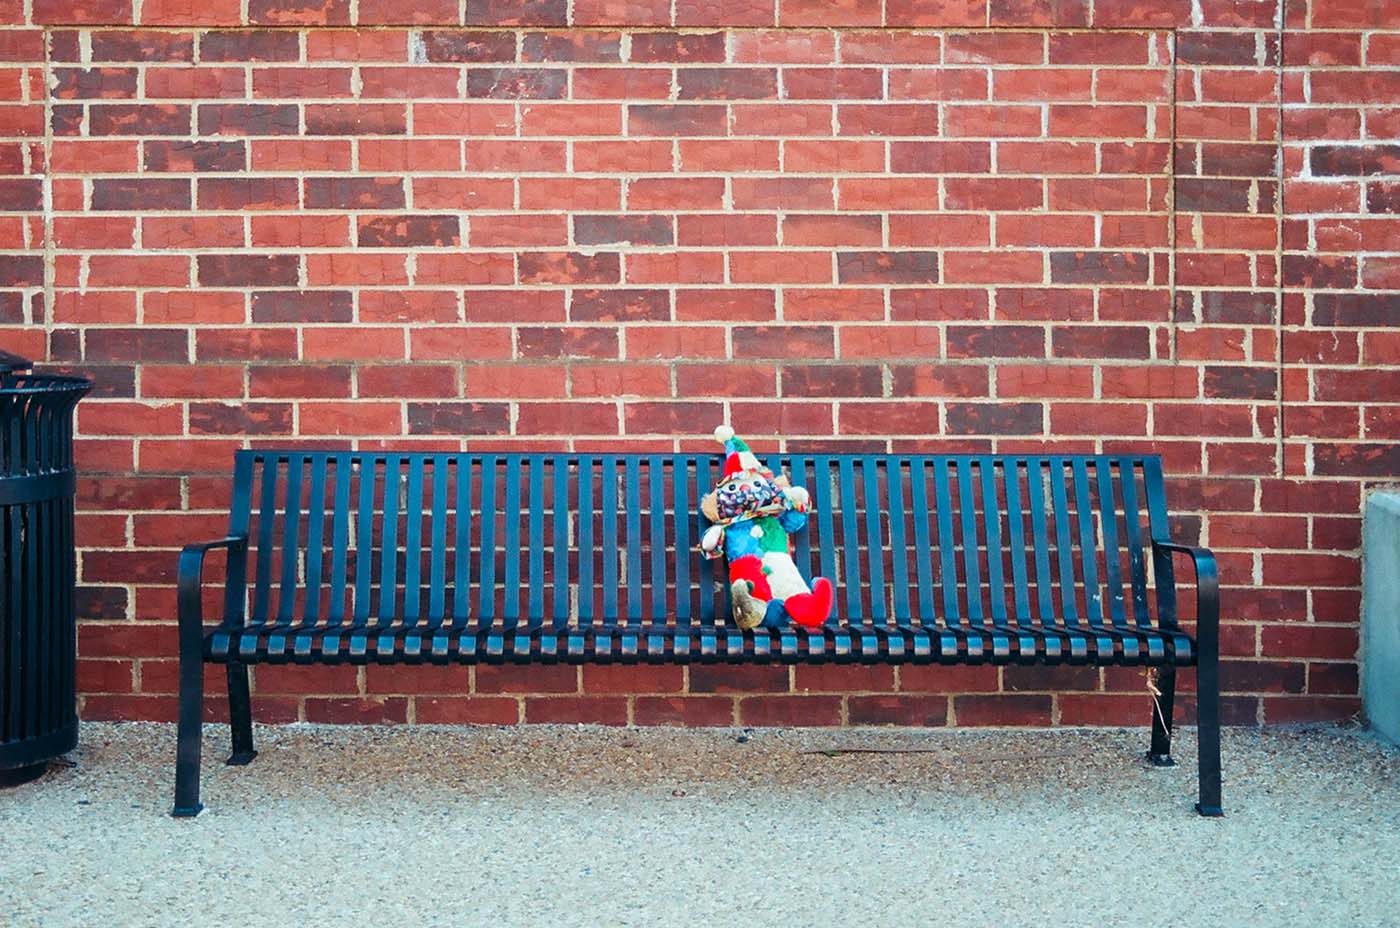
(504, 539)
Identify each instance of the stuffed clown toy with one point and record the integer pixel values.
(751, 514)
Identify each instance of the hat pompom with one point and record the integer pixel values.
(723, 433)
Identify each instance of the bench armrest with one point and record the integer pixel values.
(189, 584)
(1207, 590)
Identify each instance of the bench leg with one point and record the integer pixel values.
(1160, 753)
(1208, 733)
(191, 728)
(240, 716)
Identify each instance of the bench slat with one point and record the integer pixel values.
(461, 564)
(1093, 598)
(291, 547)
(682, 513)
(850, 578)
(989, 472)
(437, 567)
(413, 544)
(262, 588)
(1016, 535)
(1137, 564)
(922, 550)
(899, 587)
(947, 547)
(657, 482)
(609, 551)
(1108, 521)
(632, 517)
(560, 504)
(486, 566)
(585, 541)
(703, 482)
(534, 549)
(875, 513)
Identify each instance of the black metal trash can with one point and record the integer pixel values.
(38, 636)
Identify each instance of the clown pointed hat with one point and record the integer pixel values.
(737, 456)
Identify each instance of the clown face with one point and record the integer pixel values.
(746, 493)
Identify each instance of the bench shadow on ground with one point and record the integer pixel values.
(349, 765)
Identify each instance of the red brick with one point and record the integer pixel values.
(570, 710)
(369, 710)
(790, 711)
(283, 679)
(636, 678)
(465, 710)
(836, 678)
(687, 711)
(419, 679)
(719, 678)
(898, 710)
(1002, 710)
(529, 679)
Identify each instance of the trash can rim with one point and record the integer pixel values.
(44, 383)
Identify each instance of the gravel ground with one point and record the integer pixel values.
(561, 826)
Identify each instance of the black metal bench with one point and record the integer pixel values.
(370, 557)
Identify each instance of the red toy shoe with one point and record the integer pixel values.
(811, 610)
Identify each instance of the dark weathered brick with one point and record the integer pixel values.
(184, 156)
(398, 231)
(249, 119)
(613, 230)
(21, 194)
(458, 418)
(303, 306)
(1330, 272)
(571, 46)
(94, 83)
(1355, 160)
(1205, 195)
(1356, 309)
(995, 341)
(833, 380)
(1099, 267)
(1260, 383)
(247, 193)
(995, 418)
(1217, 48)
(517, 12)
(890, 267)
(1085, 341)
(131, 193)
(455, 46)
(557, 267)
(679, 47)
(143, 45)
(246, 270)
(138, 119)
(620, 306)
(1383, 197)
(517, 83)
(354, 193)
(249, 45)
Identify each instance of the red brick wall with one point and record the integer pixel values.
(916, 224)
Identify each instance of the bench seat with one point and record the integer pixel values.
(359, 557)
(1007, 642)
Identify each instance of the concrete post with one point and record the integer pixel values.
(1380, 614)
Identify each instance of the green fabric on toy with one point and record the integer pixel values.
(752, 514)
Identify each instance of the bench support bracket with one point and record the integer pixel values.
(1163, 705)
(240, 716)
